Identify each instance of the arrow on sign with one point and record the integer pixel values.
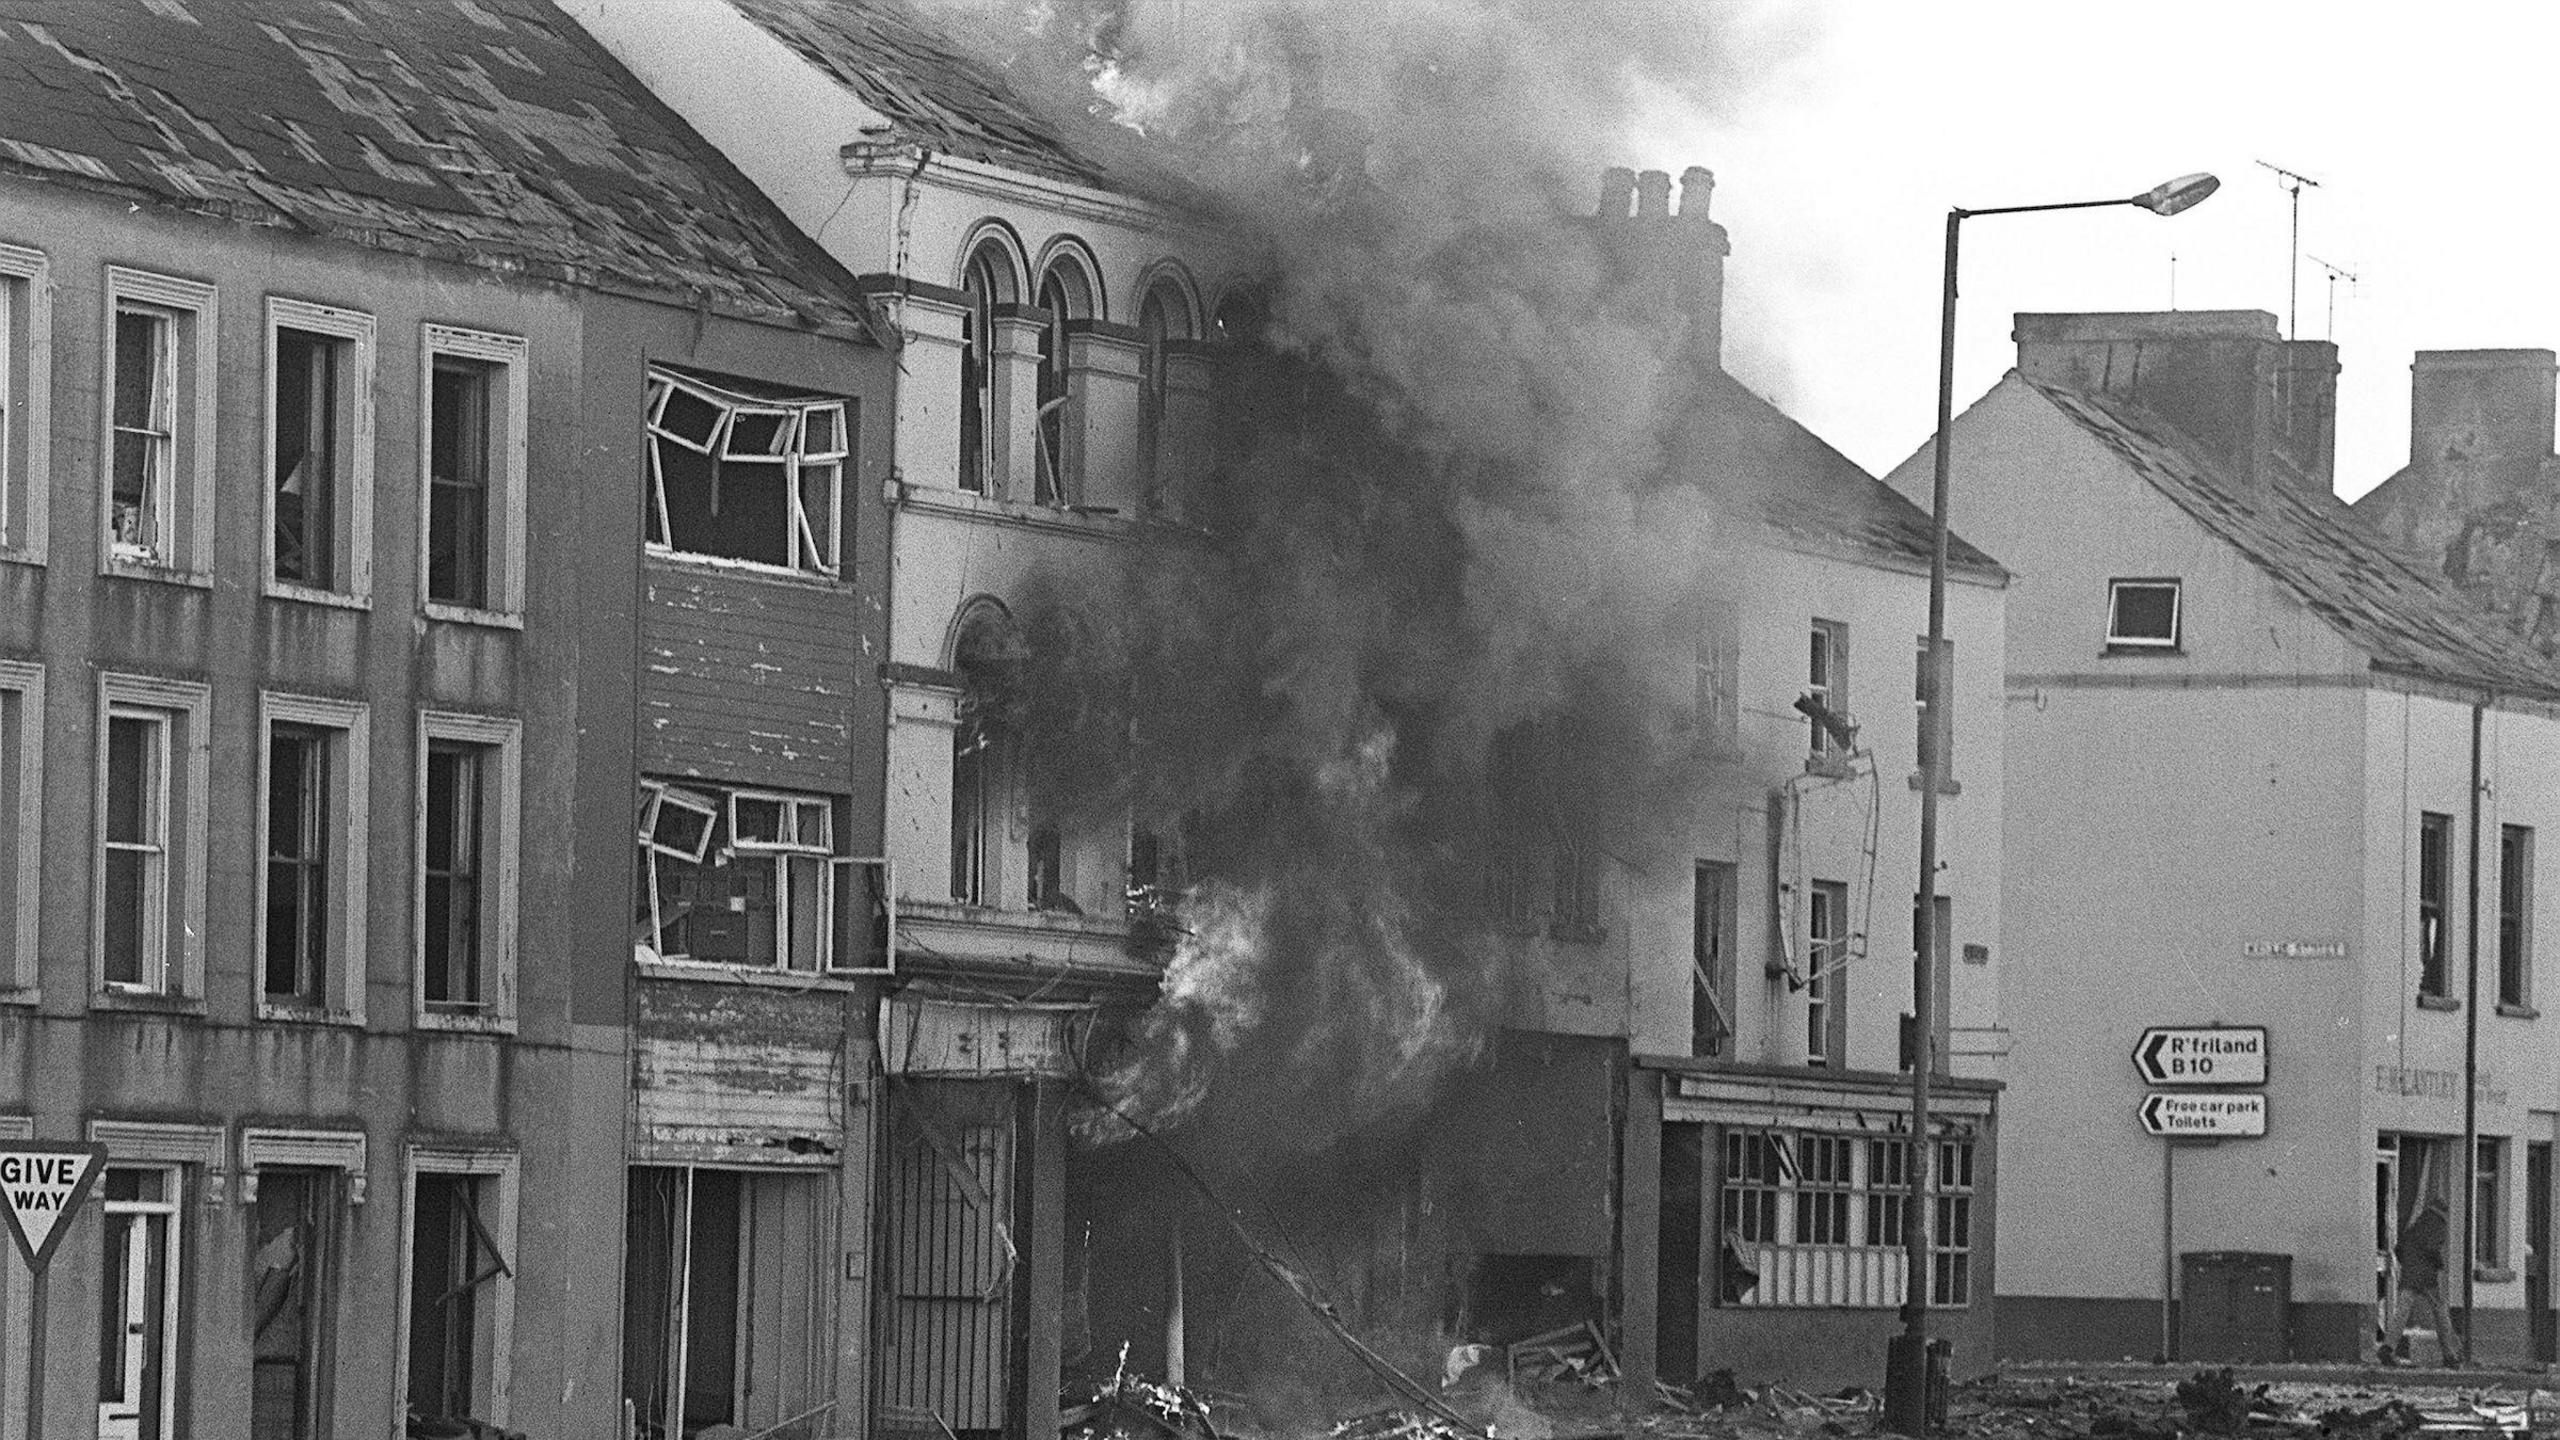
(41, 1185)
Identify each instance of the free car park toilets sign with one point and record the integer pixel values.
(41, 1186)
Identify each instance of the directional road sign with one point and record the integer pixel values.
(2204, 1116)
(2202, 1055)
(41, 1185)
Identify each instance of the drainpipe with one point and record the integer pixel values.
(2471, 1042)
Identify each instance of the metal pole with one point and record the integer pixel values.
(1907, 1403)
(2470, 1171)
(2168, 1248)
(38, 1299)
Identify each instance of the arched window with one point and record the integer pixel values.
(1163, 316)
(985, 655)
(1244, 313)
(988, 281)
(1066, 294)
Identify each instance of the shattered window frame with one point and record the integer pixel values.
(803, 442)
(1827, 681)
(478, 1351)
(798, 839)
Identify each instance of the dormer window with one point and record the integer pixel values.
(2144, 615)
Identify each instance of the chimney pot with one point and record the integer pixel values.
(1697, 187)
(1653, 193)
(1617, 192)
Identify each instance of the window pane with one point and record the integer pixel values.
(306, 458)
(458, 483)
(2145, 613)
(297, 863)
(132, 760)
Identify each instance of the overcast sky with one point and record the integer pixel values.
(2428, 131)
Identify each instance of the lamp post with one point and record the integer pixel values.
(1906, 1399)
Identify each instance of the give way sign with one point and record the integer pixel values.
(41, 1185)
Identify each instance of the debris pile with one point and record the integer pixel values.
(1575, 1354)
(1132, 1407)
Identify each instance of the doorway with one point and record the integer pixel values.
(2537, 1251)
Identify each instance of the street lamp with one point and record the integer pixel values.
(1906, 1386)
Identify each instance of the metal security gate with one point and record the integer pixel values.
(951, 1254)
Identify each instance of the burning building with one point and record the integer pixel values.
(1344, 650)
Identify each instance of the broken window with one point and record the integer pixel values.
(1065, 296)
(292, 1278)
(313, 448)
(2435, 861)
(1826, 1027)
(987, 281)
(2515, 914)
(1920, 703)
(138, 1296)
(456, 1272)
(1163, 317)
(746, 476)
(1047, 865)
(452, 872)
(144, 407)
(1576, 872)
(1712, 920)
(299, 825)
(135, 894)
(756, 878)
(1827, 685)
(458, 454)
(1817, 1217)
(988, 657)
(1719, 689)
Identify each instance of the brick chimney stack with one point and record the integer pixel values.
(2263, 408)
(2480, 421)
(1664, 261)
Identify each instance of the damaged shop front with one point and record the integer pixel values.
(1783, 1198)
(748, 1178)
(971, 1236)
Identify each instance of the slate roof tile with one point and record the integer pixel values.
(483, 132)
(2406, 617)
(901, 64)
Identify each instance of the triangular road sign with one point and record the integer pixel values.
(42, 1183)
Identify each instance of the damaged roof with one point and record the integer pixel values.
(488, 133)
(1810, 492)
(2407, 618)
(941, 97)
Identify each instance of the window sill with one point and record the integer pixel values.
(745, 569)
(27, 995)
(2122, 650)
(20, 555)
(467, 615)
(2437, 1002)
(466, 1022)
(163, 574)
(2492, 1274)
(333, 599)
(306, 1015)
(147, 1002)
(1947, 785)
(707, 973)
(1830, 767)
(2519, 1012)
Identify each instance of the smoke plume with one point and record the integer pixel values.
(1462, 548)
